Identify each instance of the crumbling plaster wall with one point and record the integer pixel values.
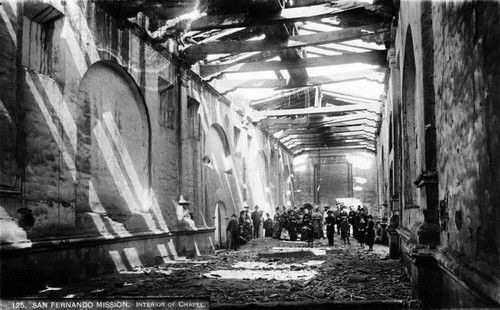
(456, 54)
(410, 17)
(467, 72)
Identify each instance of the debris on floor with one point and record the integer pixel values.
(341, 273)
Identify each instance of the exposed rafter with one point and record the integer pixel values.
(295, 41)
(284, 16)
(373, 58)
(317, 80)
(337, 130)
(327, 150)
(311, 111)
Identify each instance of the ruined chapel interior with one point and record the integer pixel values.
(131, 131)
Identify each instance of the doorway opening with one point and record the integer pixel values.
(221, 219)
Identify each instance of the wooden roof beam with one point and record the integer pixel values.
(320, 142)
(299, 122)
(310, 111)
(334, 150)
(359, 142)
(343, 135)
(304, 131)
(373, 58)
(296, 41)
(284, 16)
(313, 80)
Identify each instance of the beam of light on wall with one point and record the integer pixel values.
(358, 161)
(132, 257)
(168, 251)
(155, 207)
(6, 19)
(228, 164)
(52, 127)
(196, 249)
(128, 165)
(94, 201)
(78, 57)
(75, 13)
(357, 188)
(114, 167)
(360, 180)
(117, 260)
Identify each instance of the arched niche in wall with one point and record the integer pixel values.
(114, 148)
(409, 138)
(221, 219)
(220, 183)
(259, 180)
(217, 149)
(193, 118)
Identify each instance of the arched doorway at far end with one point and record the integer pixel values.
(221, 219)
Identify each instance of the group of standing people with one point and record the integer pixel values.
(289, 224)
(242, 229)
(305, 224)
(363, 227)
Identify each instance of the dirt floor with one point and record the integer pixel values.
(265, 270)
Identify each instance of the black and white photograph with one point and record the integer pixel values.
(249, 154)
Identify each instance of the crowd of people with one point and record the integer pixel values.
(306, 224)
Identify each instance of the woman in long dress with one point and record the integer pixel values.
(317, 218)
(277, 224)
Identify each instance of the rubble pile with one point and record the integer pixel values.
(341, 273)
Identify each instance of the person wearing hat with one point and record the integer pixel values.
(370, 233)
(330, 226)
(277, 224)
(338, 216)
(256, 220)
(268, 226)
(307, 227)
(233, 233)
(344, 230)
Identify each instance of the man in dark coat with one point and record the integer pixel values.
(370, 233)
(233, 233)
(268, 226)
(256, 220)
(307, 227)
(330, 227)
(292, 225)
(344, 230)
